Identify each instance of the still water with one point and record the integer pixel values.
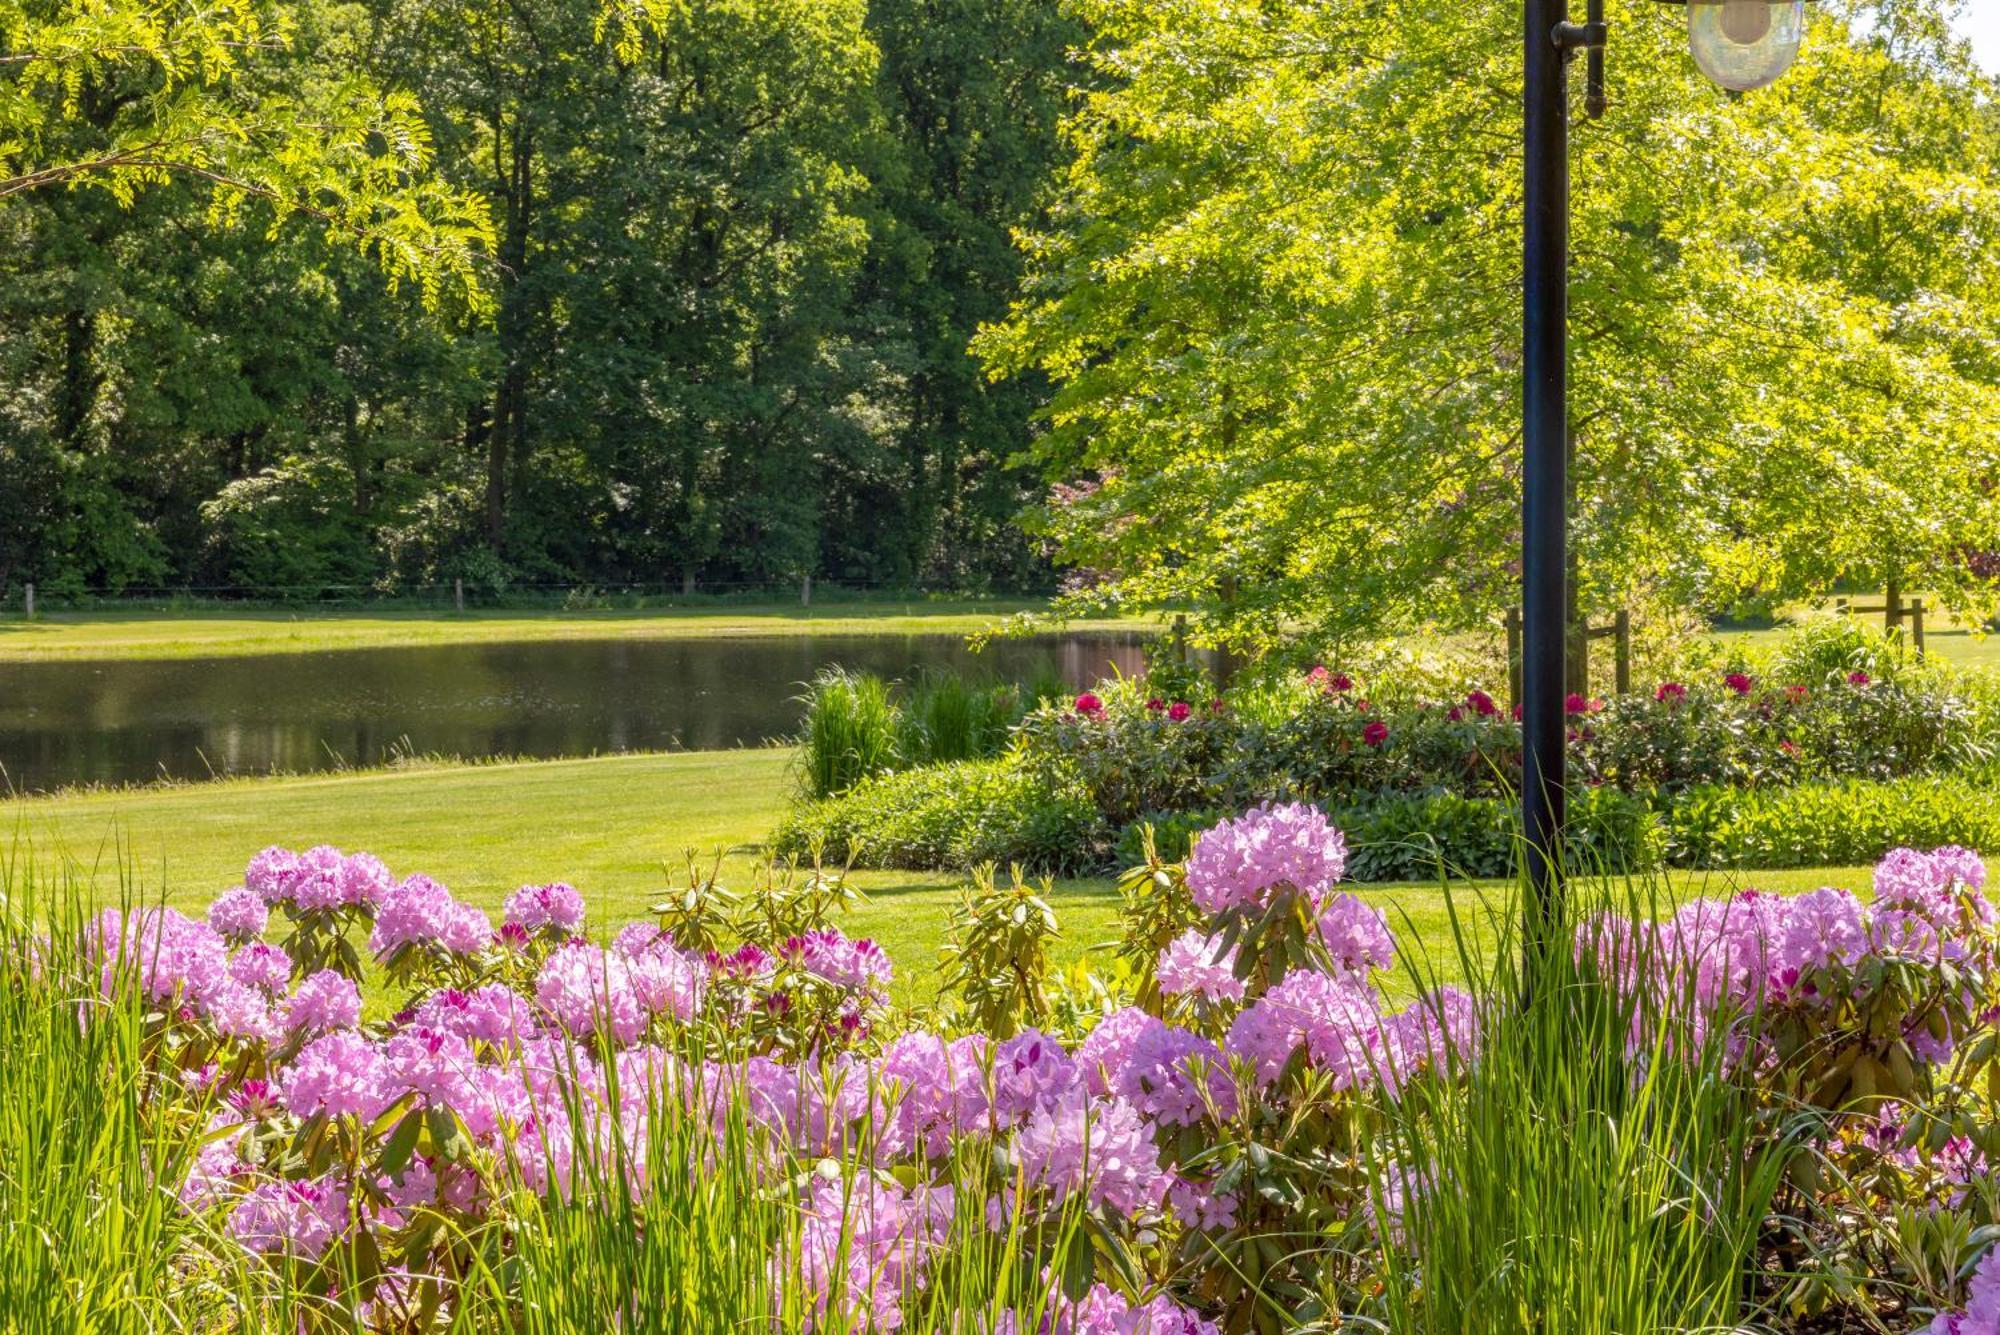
(119, 722)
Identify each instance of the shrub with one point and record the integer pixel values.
(1443, 835)
(851, 732)
(1131, 751)
(952, 816)
(1828, 824)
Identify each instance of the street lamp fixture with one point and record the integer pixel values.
(1745, 44)
(1741, 45)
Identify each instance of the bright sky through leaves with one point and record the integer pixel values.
(1981, 23)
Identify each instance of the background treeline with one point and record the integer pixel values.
(739, 256)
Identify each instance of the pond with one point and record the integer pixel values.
(121, 722)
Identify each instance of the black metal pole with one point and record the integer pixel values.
(1544, 517)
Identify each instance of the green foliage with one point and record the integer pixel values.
(851, 732)
(1597, 1144)
(92, 1238)
(1829, 824)
(996, 958)
(1279, 301)
(956, 816)
(946, 718)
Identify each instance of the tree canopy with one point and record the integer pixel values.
(1279, 301)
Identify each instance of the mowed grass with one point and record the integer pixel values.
(618, 828)
(64, 636)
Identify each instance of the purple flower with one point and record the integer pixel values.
(420, 912)
(586, 989)
(860, 966)
(1176, 1077)
(340, 1074)
(264, 967)
(1336, 1020)
(323, 1002)
(1097, 1147)
(1194, 963)
(556, 907)
(298, 1218)
(1240, 862)
(239, 914)
(1356, 935)
(1030, 1072)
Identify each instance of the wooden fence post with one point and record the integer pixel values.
(1892, 607)
(1917, 626)
(30, 600)
(1622, 651)
(806, 592)
(458, 593)
(1180, 638)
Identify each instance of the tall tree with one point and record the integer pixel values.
(1280, 303)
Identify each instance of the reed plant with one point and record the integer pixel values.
(92, 1236)
(949, 718)
(852, 729)
(1601, 1169)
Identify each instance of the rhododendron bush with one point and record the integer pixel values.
(1207, 1155)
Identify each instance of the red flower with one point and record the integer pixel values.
(1155, 705)
(1455, 714)
(1089, 705)
(1797, 694)
(1517, 713)
(1671, 692)
(1179, 711)
(1858, 678)
(1789, 747)
(1575, 704)
(1739, 683)
(1376, 733)
(1482, 704)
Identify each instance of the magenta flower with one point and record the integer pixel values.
(1739, 683)
(1178, 711)
(1155, 705)
(1858, 678)
(1671, 693)
(1482, 704)
(1376, 734)
(1089, 705)
(301, 1219)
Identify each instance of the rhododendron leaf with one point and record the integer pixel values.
(1078, 1265)
(402, 1143)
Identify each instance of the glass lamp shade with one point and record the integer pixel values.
(1745, 44)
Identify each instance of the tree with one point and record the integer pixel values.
(1281, 307)
(124, 96)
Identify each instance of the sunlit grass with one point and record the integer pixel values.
(207, 633)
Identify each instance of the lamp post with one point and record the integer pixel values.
(1741, 45)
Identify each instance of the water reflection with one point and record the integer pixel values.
(126, 722)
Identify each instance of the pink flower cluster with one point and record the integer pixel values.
(319, 880)
(420, 912)
(1242, 862)
(1982, 1310)
(557, 908)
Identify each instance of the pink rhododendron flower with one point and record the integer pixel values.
(1089, 705)
(1375, 734)
(1356, 935)
(340, 1074)
(1336, 1020)
(1982, 1310)
(1739, 683)
(555, 907)
(239, 915)
(264, 967)
(1098, 1147)
(1858, 678)
(1178, 711)
(1240, 862)
(1196, 963)
(1482, 704)
(301, 1219)
(323, 1002)
(1671, 693)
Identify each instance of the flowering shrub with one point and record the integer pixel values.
(1207, 1157)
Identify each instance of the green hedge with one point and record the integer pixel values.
(952, 816)
(1393, 839)
(960, 815)
(1841, 824)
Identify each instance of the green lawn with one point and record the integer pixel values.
(151, 634)
(615, 827)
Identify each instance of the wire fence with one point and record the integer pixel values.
(463, 595)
